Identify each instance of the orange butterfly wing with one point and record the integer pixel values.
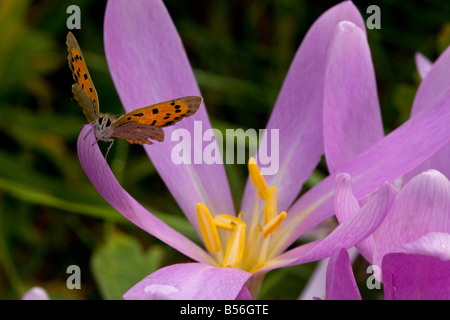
(163, 114)
(136, 126)
(138, 133)
(82, 77)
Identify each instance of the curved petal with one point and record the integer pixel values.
(439, 161)
(190, 281)
(415, 277)
(341, 283)
(436, 244)
(352, 231)
(316, 286)
(421, 206)
(298, 110)
(244, 294)
(148, 64)
(36, 293)
(351, 112)
(434, 84)
(387, 160)
(423, 64)
(345, 205)
(103, 179)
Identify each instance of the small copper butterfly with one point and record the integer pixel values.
(136, 126)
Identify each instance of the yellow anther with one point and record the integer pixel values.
(257, 178)
(224, 221)
(208, 228)
(235, 248)
(270, 208)
(273, 224)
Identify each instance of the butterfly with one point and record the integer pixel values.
(137, 126)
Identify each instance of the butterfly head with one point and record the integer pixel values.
(103, 126)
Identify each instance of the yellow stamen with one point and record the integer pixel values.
(208, 228)
(270, 208)
(257, 178)
(224, 221)
(235, 247)
(252, 246)
(273, 224)
(249, 248)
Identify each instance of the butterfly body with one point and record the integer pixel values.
(102, 126)
(137, 126)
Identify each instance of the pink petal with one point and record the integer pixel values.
(420, 270)
(434, 84)
(36, 293)
(435, 244)
(415, 277)
(191, 281)
(244, 294)
(421, 206)
(148, 64)
(387, 160)
(316, 286)
(341, 283)
(298, 111)
(103, 179)
(423, 64)
(439, 161)
(345, 205)
(351, 115)
(352, 231)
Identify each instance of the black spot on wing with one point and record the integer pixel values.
(169, 123)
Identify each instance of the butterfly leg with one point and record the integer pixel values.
(109, 147)
(106, 140)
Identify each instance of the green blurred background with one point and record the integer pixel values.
(50, 215)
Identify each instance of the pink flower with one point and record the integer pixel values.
(148, 64)
(417, 271)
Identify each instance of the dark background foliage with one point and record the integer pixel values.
(50, 215)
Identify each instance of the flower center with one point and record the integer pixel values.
(247, 245)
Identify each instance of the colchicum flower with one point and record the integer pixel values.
(411, 247)
(148, 64)
(421, 209)
(418, 271)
